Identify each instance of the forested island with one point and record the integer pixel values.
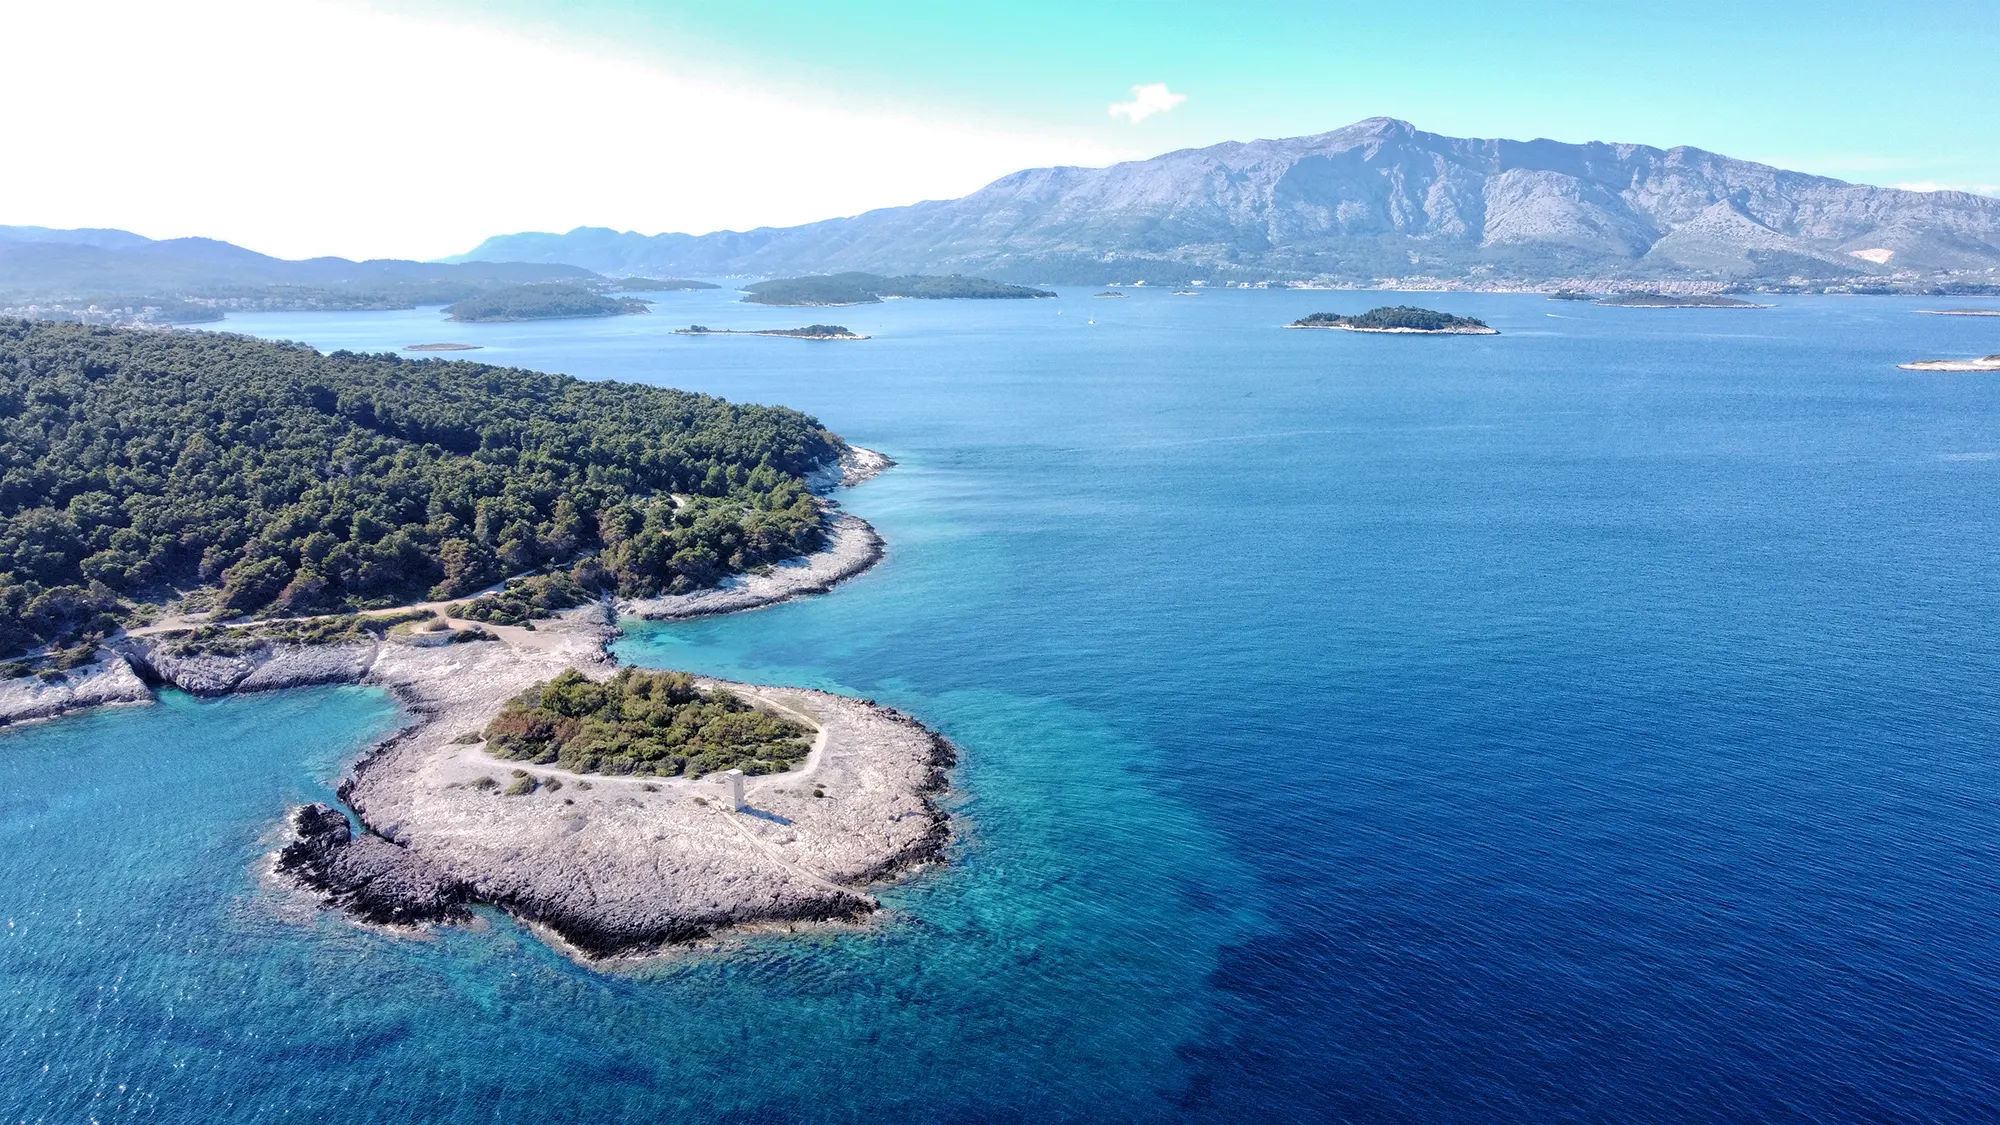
(1399, 318)
(542, 301)
(662, 284)
(809, 332)
(139, 468)
(441, 347)
(869, 288)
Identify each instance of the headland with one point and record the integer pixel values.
(603, 864)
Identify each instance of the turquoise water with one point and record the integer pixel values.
(1595, 722)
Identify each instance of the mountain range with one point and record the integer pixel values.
(1377, 199)
(46, 262)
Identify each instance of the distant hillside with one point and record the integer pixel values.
(541, 302)
(195, 278)
(1377, 199)
(868, 288)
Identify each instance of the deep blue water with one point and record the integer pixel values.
(1591, 723)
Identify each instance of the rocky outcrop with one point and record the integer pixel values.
(263, 666)
(855, 466)
(368, 876)
(107, 680)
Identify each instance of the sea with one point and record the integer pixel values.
(1597, 722)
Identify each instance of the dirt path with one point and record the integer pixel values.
(196, 621)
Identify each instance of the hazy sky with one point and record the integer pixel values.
(414, 128)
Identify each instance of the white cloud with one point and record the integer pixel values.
(1147, 100)
(318, 127)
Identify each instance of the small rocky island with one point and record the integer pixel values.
(1960, 312)
(1405, 319)
(809, 332)
(1983, 363)
(541, 301)
(442, 347)
(1109, 293)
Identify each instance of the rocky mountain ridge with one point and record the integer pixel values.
(1379, 198)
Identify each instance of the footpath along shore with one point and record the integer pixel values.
(605, 866)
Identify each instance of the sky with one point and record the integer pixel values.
(415, 128)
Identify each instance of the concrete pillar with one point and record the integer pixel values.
(735, 789)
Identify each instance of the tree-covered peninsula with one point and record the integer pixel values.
(642, 722)
(136, 466)
(547, 301)
(868, 288)
(1399, 318)
(662, 284)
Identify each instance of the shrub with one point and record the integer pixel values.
(643, 722)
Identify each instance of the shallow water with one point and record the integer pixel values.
(1594, 722)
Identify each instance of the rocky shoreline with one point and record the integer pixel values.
(852, 547)
(607, 865)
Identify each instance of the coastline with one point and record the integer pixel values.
(612, 866)
(852, 546)
(1696, 303)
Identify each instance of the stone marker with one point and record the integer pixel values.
(735, 789)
